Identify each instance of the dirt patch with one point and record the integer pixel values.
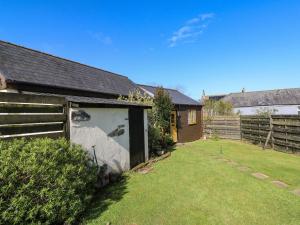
(145, 170)
(280, 184)
(296, 192)
(244, 168)
(260, 176)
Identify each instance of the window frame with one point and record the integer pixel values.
(192, 116)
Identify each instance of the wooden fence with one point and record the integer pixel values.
(281, 132)
(23, 115)
(227, 127)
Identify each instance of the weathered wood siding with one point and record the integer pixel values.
(23, 115)
(188, 132)
(227, 127)
(284, 131)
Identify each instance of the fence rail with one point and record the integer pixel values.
(23, 115)
(227, 127)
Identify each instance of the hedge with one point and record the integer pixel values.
(44, 181)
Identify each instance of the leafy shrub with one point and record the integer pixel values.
(44, 181)
(154, 138)
(158, 116)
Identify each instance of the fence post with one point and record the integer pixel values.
(271, 129)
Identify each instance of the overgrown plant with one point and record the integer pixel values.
(137, 96)
(158, 116)
(44, 181)
(264, 111)
(162, 108)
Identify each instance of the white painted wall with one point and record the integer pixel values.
(113, 151)
(146, 134)
(277, 109)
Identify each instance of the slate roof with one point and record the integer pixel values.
(20, 64)
(177, 97)
(265, 98)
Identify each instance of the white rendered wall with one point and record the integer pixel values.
(279, 109)
(113, 151)
(146, 134)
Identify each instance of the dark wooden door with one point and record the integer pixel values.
(136, 136)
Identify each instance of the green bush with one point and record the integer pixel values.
(44, 181)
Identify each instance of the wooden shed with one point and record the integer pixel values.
(114, 131)
(186, 119)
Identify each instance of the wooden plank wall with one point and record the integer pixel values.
(285, 131)
(227, 127)
(24, 115)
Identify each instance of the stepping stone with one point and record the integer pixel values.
(279, 184)
(232, 163)
(260, 176)
(243, 168)
(296, 192)
(223, 160)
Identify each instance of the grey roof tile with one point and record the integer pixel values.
(289, 96)
(21, 64)
(177, 97)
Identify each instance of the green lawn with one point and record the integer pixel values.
(194, 186)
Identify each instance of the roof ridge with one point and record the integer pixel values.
(278, 89)
(58, 57)
(158, 86)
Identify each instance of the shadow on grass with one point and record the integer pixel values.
(106, 196)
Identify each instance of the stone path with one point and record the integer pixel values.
(260, 175)
(257, 175)
(244, 168)
(280, 184)
(296, 192)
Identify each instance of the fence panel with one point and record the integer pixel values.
(24, 115)
(227, 127)
(255, 129)
(283, 131)
(286, 133)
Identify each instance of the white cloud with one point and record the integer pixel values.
(104, 39)
(191, 30)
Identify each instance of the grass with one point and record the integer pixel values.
(194, 186)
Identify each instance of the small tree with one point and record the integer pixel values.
(162, 109)
(158, 116)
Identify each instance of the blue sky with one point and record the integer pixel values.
(217, 45)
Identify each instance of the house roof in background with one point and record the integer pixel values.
(289, 96)
(20, 64)
(177, 97)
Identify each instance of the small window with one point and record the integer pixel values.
(192, 116)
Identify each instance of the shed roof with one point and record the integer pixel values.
(93, 100)
(177, 97)
(102, 101)
(289, 96)
(20, 64)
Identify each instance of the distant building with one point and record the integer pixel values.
(281, 101)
